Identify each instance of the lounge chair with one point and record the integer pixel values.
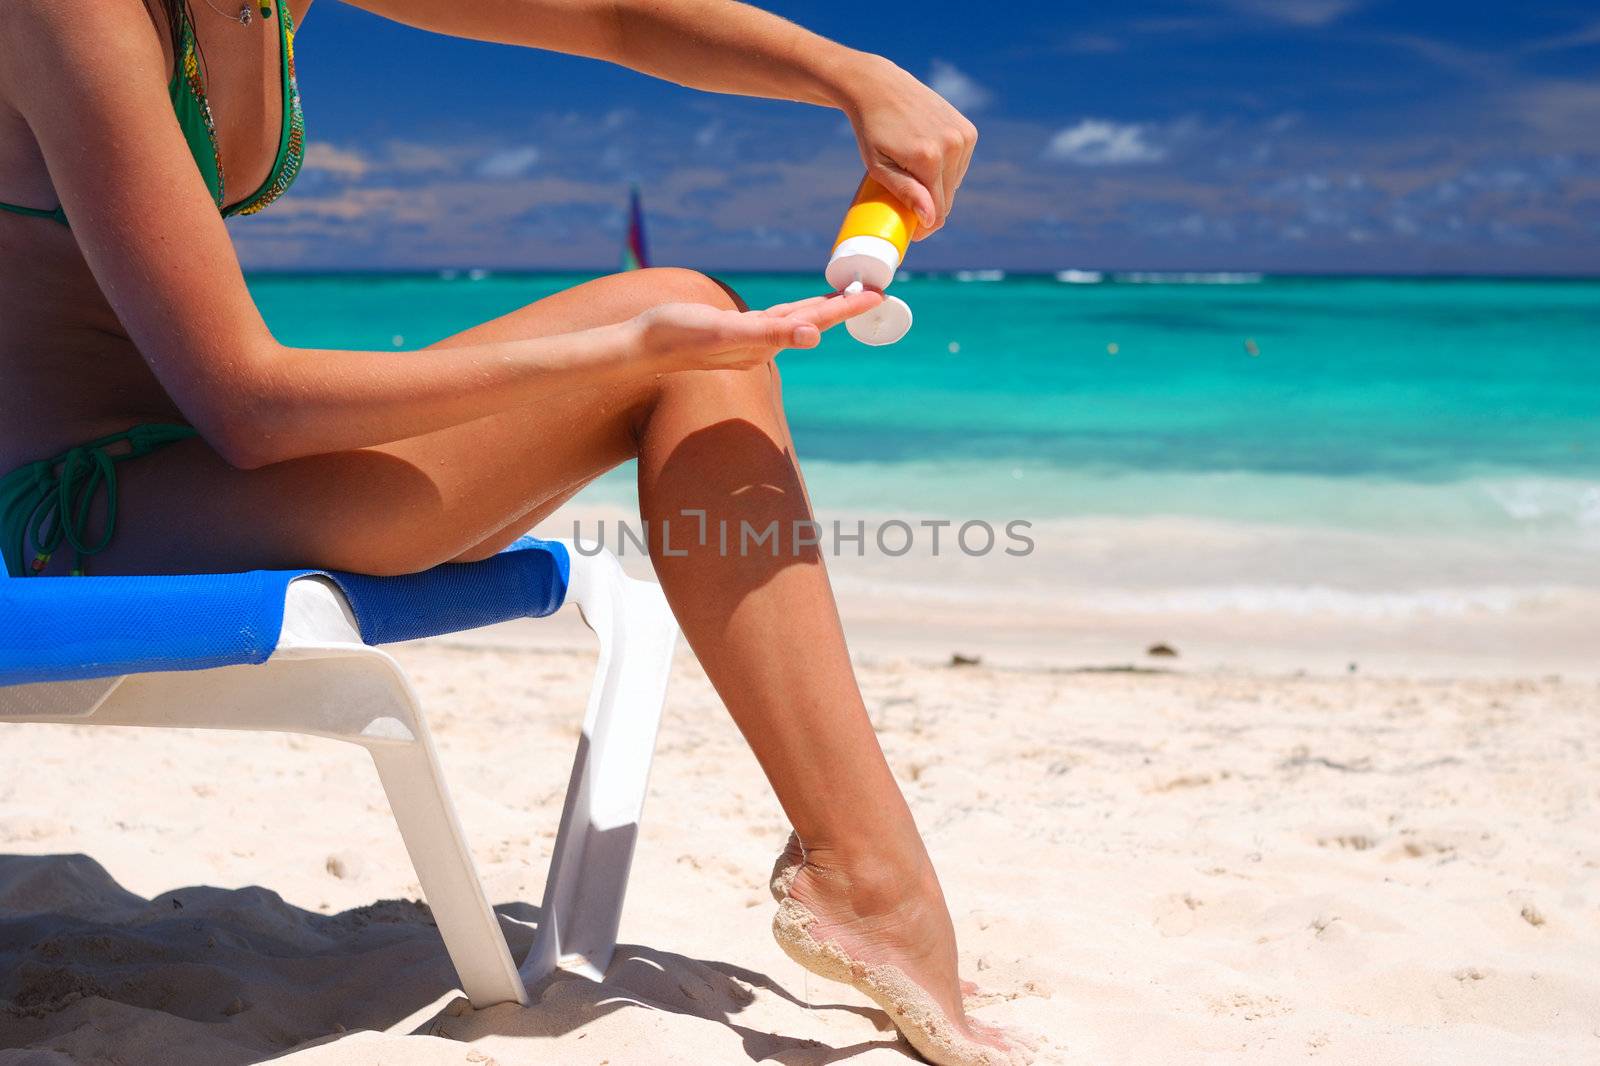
(291, 651)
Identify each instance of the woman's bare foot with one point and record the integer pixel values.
(888, 934)
(789, 862)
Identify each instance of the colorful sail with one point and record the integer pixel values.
(635, 255)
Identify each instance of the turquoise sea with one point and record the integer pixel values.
(1468, 407)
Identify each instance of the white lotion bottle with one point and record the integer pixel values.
(871, 244)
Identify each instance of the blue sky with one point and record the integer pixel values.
(1281, 135)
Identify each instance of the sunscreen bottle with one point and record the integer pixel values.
(871, 244)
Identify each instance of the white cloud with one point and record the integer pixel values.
(1107, 181)
(412, 157)
(707, 135)
(344, 162)
(1297, 12)
(1097, 143)
(956, 86)
(1564, 112)
(1089, 44)
(509, 162)
(1579, 38)
(1480, 65)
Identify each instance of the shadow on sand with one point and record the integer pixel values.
(91, 972)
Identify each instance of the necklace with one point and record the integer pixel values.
(245, 15)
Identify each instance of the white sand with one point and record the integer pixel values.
(1260, 858)
(1143, 868)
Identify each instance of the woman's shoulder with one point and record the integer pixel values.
(43, 41)
(26, 26)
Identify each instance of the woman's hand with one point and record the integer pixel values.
(688, 336)
(912, 140)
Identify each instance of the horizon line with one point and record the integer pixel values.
(1107, 275)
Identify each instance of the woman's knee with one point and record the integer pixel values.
(728, 290)
(661, 285)
(706, 397)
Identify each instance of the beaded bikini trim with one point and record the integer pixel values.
(294, 148)
(197, 89)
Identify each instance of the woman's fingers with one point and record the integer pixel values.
(811, 303)
(832, 310)
(963, 158)
(955, 167)
(798, 324)
(910, 189)
(964, 144)
(940, 195)
(918, 182)
(941, 181)
(795, 305)
(944, 161)
(754, 329)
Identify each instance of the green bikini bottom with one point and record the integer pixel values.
(46, 504)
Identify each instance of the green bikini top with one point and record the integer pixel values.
(188, 93)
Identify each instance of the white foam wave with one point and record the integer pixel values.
(1545, 502)
(1190, 277)
(1325, 600)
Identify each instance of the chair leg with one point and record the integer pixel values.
(600, 821)
(433, 837)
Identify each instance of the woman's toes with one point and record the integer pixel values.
(892, 941)
(995, 1035)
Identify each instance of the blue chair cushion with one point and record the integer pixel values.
(73, 628)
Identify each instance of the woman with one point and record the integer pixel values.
(129, 344)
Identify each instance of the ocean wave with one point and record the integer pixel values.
(1325, 600)
(1525, 514)
(1543, 502)
(1189, 277)
(1243, 598)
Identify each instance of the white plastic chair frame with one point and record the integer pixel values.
(323, 681)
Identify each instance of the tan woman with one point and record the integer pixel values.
(129, 345)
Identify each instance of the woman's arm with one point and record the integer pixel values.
(90, 79)
(912, 141)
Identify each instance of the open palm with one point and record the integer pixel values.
(691, 336)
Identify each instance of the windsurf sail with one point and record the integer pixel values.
(635, 254)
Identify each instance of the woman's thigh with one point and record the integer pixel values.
(457, 493)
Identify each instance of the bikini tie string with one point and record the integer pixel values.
(63, 514)
(70, 483)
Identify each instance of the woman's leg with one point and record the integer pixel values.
(762, 621)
